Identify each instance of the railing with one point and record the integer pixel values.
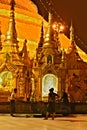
(41, 107)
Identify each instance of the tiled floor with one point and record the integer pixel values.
(73, 122)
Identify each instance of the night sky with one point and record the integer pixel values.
(75, 10)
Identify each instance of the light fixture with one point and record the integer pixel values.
(59, 27)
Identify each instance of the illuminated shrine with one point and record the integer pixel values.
(34, 57)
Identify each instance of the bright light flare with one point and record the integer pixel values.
(58, 27)
(61, 28)
(54, 26)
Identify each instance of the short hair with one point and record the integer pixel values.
(15, 89)
(52, 89)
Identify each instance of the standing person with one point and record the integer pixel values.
(65, 98)
(65, 104)
(51, 103)
(12, 101)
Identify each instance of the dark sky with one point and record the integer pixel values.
(75, 10)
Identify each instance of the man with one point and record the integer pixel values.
(12, 101)
(51, 103)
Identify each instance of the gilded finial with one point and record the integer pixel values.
(0, 29)
(72, 32)
(12, 3)
(41, 37)
(0, 37)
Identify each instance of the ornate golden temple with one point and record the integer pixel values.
(34, 57)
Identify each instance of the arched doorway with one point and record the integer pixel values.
(6, 80)
(49, 81)
(6, 85)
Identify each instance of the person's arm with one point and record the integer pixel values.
(56, 95)
(48, 98)
(12, 96)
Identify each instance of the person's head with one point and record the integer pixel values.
(15, 90)
(51, 89)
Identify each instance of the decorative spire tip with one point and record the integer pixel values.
(12, 3)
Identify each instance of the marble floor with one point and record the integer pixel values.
(20, 122)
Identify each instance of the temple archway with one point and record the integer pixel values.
(49, 81)
(6, 81)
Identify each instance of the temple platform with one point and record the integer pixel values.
(74, 121)
(23, 107)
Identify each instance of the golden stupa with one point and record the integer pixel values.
(28, 25)
(28, 22)
(56, 57)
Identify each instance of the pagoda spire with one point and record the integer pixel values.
(50, 23)
(25, 57)
(72, 40)
(11, 43)
(12, 3)
(42, 37)
(11, 35)
(0, 39)
(71, 33)
(49, 37)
